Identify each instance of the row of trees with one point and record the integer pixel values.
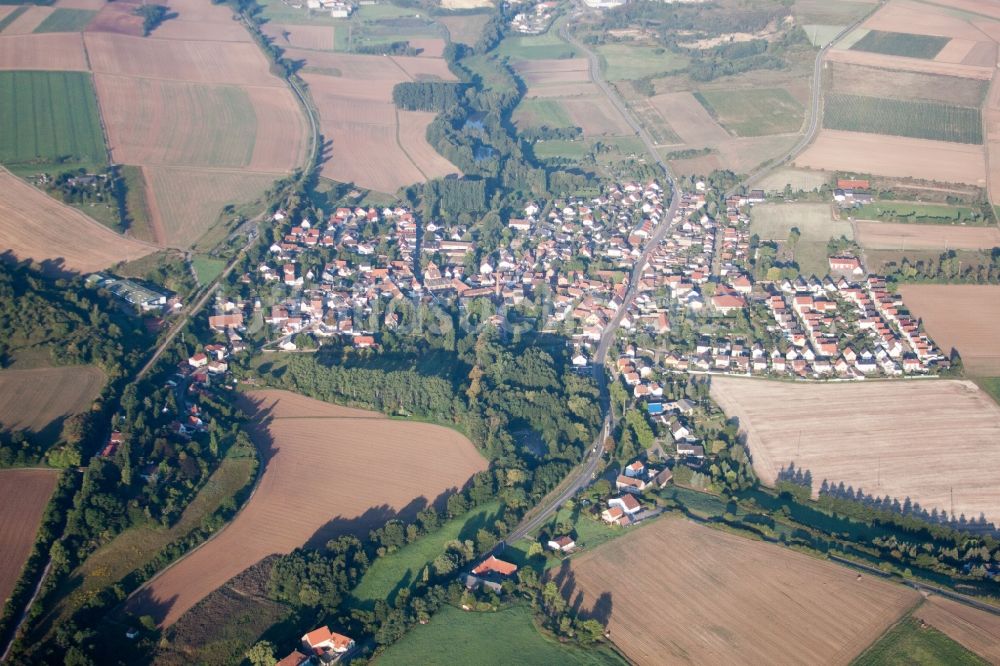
(427, 95)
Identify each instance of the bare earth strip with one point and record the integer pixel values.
(189, 201)
(966, 317)
(55, 51)
(856, 433)
(689, 119)
(35, 226)
(681, 593)
(909, 64)
(23, 496)
(977, 630)
(323, 476)
(35, 399)
(193, 61)
(891, 236)
(834, 150)
(413, 137)
(26, 23)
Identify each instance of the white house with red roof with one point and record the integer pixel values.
(327, 645)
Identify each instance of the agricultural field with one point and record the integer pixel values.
(977, 630)
(964, 317)
(910, 643)
(882, 155)
(58, 238)
(66, 20)
(48, 118)
(896, 117)
(24, 493)
(317, 483)
(901, 44)
(841, 433)
(37, 401)
(722, 598)
(541, 111)
(491, 639)
(464, 28)
(848, 79)
(797, 179)
(547, 46)
(754, 112)
(904, 236)
(26, 22)
(773, 221)
(316, 37)
(919, 213)
(53, 51)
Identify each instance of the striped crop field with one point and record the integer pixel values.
(897, 117)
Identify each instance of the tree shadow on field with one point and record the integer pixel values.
(565, 580)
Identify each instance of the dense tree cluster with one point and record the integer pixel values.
(427, 95)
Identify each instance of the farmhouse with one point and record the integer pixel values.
(296, 658)
(327, 645)
(630, 484)
(563, 544)
(845, 264)
(492, 565)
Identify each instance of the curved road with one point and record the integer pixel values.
(584, 473)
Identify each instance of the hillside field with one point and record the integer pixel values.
(857, 433)
(328, 470)
(23, 496)
(673, 591)
(38, 400)
(966, 317)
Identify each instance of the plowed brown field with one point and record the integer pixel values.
(892, 236)
(413, 138)
(977, 630)
(895, 156)
(936, 442)
(36, 400)
(966, 317)
(23, 496)
(328, 471)
(892, 62)
(674, 592)
(36, 226)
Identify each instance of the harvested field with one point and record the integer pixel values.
(966, 317)
(689, 119)
(153, 121)
(30, 19)
(57, 51)
(117, 17)
(721, 598)
(881, 155)
(187, 202)
(317, 483)
(355, 158)
(421, 68)
(868, 81)
(413, 139)
(754, 112)
(543, 72)
(318, 37)
(351, 66)
(991, 112)
(430, 47)
(839, 431)
(190, 61)
(799, 179)
(92, 5)
(908, 16)
(36, 226)
(23, 496)
(282, 131)
(465, 4)
(976, 630)
(972, 6)
(189, 30)
(37, 401)
(899, 63)
(739, 155)
(892, 236)
(773, 221)
(596, 116)
(589, 90)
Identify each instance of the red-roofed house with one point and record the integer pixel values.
(296, 658)
(852, 184)
(327, 645)
(199, 360)
(726, 303)
(493, 565)
(846, 265)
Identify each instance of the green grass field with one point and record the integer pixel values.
(393, 572)
(901, 44)
(755, 112)
(919, 213)
(907, 644)
(622, 62)
(508, 636)
(136, 203)
(559, 148)
(66, 20)
(538, 111)
(772, 221)
(536, 47)
(920, 120)
(991, 385)
(207, 268)
(48, 118)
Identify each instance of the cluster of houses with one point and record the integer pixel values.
(534, 19)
